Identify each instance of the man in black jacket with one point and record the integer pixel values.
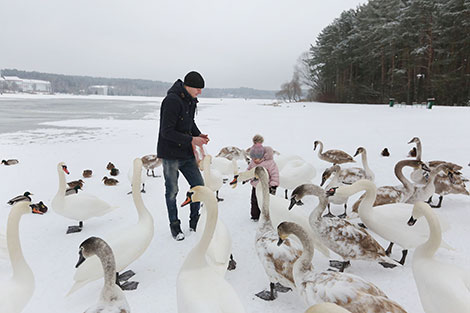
(177, 138)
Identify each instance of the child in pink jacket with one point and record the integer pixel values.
(262, 156)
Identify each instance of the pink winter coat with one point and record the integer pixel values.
(269, 164)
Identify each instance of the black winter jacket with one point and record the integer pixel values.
(177, 125)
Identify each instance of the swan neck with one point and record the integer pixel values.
(320, 148)
(142, 211)
(18, 263)
(211, 220)
(109, 268)
(305, 260)
(365, 207)
(418, 150)
(399, 174)
(433, 243)
(263, 181)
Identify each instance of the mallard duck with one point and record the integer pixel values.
(332, 156)
(150, 162)
(346, 290)
(74, 183)
(24, 197)
(72, 190)
(110, 166)
(114, 171)
(10, 162)
(39, 207)
(112, 299)
(110, 181)
(385, 152)
(87, 173)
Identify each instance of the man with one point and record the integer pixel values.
(177, 138)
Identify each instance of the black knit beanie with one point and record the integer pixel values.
(194, 79)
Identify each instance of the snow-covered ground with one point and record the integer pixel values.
(289, 128)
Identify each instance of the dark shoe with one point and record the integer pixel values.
(193, 223)
(176, 230)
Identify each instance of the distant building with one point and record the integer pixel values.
(99, 90)
(16, 84)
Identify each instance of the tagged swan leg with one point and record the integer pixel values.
(75, 229)
(268, 295)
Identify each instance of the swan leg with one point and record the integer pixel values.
(217, 196)
(286, 194)
(344, 214)
(403, 257)
(329, 212)
(122, 280)
(231, 263)
(125, 276)
(429, 200)
(281, 288)
(438, 205)
(148, 172)
(143, 188)
(387, 265)
(75, 228)
(389, 249)
(129, 285)
(268, 295)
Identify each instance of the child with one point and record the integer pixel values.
(262, 156)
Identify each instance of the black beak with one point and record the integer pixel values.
(331, 192)
(280, 241)
(292, 203)
(81, 259)
(411, 221)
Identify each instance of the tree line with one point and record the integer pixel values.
(409, 50)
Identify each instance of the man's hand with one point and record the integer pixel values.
(202, 139)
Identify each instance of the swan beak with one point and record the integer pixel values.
(64, 168)
(280, 241)
(411, 221)
(425, 167)
(81, 259)
(188, 199)
(357, 152)
(234, 182)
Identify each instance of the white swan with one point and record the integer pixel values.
(199, 288)
(349, 241)
(277, 261)
(294, 173)
(326, 307)
(112, 299)
(442, 287)
(225, 166)
(79, 206)
(332, 156)
(389, 220)
(16, 292)
(346, 290)
(335, 182)
(128, 244)
(213, 179)
(282, 159)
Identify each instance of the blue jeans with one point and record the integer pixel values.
(190, 171)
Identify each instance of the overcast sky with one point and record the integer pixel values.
(232, 43)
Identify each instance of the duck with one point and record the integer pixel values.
(332, 156)
(24, 197)
(74, 183)
(72, 190)
(335, 182)
(389, 220)
(114, 171)
(110, 181)
(128, 244)
(385, 152)
(87, 173)
(110, 166)
(213, 179)
(80, 206)
(199, 288)
(442, 287)
(395, 194)
(349, 241)
(349, 291)
(294, 173)
(112, 299)
(10, 162)
(39, 207)
(233, 153)
(277, 262)
(150, 162)
(326, 307)
(18, 290)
